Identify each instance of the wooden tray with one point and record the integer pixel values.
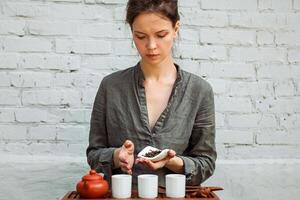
(74, 195)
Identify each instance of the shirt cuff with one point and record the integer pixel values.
(106, 156)
(106, 162)
(189, 169)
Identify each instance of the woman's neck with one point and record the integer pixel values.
(164, 71)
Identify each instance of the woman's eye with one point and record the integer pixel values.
(140, 37)
(162, 36)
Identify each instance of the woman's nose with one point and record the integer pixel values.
(151, 44)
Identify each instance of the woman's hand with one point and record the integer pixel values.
(157, 164)
(124, 157)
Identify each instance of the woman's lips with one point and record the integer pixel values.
(152, 56)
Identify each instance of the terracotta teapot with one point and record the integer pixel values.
(92, 185)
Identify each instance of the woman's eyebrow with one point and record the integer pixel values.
(139, 32)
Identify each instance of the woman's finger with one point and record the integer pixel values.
(171, 153)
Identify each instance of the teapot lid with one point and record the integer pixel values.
(92, 176)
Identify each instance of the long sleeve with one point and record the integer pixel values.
(200, 156)
(99, 154)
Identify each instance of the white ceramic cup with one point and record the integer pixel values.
(147, 186)
(121, 185)
(175, 185)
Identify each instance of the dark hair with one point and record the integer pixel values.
(167, 8)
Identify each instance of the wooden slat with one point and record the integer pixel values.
(74, 195)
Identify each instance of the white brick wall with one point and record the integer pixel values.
(54, 53)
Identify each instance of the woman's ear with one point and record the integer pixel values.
(176, 29)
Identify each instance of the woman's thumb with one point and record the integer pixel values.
(129, 146)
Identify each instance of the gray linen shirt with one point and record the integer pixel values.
(187, 125)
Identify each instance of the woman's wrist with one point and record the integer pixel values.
(175, 164)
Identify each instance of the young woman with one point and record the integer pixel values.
(154, 103)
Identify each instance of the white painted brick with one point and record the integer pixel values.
(27, 44)
(34, 115)
(252, 121)
(77, 80)
(78, 12)
(289, 121)
(278, 137)
(30, 79)
(189, 3)
(263, 151)
(111, 1)
(253, 89)
(87, 80)
(71, 1)
(202, 52)
(229, 4)
(12, 27)
(9, 60)
(257, 54)
(62, 97)
(4, 80)
(13, 132)
(88, 96)
(263, 20)
(234, 137)
(228, 70)
(63, 80)
(278, 105)
(295, 71)
(54, 149)
(279, 72)
(269, 71)
(125, 48)
(294, 55)
(9, 97)
(53, 28)
(228, 104)
(83, 46)
(293, 20)
(265, 38)
(219, 86)
(298, 87)
(72, 133)
(42, 132)
(284, 88)
(277, 5)
(7, 115)
(107, 62)
(90, 1)
(223, 36)
(191, 66)
(203, 18)
(188, 34)
(55, 62)
(296, 4)
(120, 13)
(105, 30)
(74, 115)
(288, 38)
(220, 119)
(33, 10)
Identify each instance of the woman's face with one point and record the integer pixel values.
(153, 36)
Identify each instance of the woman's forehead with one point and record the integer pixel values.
(151, 22)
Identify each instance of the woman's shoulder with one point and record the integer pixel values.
(196, 82)
(120, 76)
